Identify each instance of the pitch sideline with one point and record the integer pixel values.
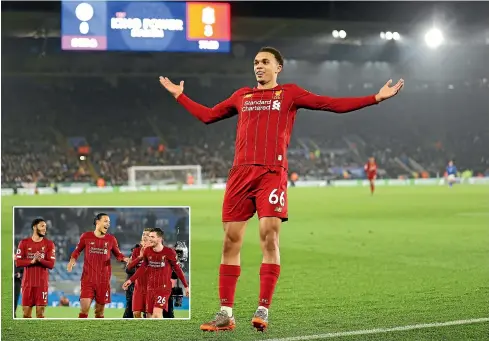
(382, 330)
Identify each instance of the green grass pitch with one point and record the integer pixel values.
(407, 255)
(72, 312)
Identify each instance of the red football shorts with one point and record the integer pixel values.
(34, 296)
(251, 189)
(157, 299)
(372, 176)
(99, 292)
(139, 301)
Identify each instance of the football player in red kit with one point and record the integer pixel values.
(139, 294)
(257, 181)
(36, 254)
(158, 263)
(371, 172)
(95, 280)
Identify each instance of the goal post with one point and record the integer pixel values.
(163, 175)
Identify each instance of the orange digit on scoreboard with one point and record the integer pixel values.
(209, 21)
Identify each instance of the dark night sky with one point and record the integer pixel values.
(405, 12)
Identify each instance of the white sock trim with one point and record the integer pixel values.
(228, 310)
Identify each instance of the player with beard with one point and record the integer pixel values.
(158, 262)
(95, 280)
(139, 294)
(258, 179)
(36, 254)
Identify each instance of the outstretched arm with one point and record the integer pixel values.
(78, 250)
(308, 100)
(219, 112)
(131, 266)
(135, 261)
(117, 252)
(76, 253)
(139, 272)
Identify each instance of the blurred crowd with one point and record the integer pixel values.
(65, 225)
(128, 120)
(114, 118)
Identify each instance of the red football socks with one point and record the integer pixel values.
(228, 278)
(372, 188)
(99, 317)
(82, 316)
(269, 274)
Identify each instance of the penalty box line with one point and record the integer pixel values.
(382, 330)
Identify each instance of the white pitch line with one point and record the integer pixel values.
(382, 330)
(473, 214)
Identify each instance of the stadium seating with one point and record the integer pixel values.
(113, 114)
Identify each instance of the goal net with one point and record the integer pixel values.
(164, 175)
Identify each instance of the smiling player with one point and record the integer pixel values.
(139, 294)
(95, 280)
(258, 179)
(36, 254)
(157, 264)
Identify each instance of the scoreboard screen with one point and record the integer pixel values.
(146, 26)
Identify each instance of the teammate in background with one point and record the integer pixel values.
(258, 180)
(36, 254)
(371, 172)
(18, 273)
(158, 261)
(139, 294)
(128, 311)
(95, 279)
(451, 173)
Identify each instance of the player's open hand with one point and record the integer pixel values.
(389, 91)
(127, 260)
(70, 266)
(187, 292)
(175, 90)
(126, 284)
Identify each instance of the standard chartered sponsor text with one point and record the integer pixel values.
(257, 105)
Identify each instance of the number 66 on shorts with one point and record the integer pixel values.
(274, 199)
(253, 188)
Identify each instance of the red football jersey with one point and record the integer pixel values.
(158, 267)
(36, 275)
(96, 262)
(266, 118)
(371, 168)
(141, 283)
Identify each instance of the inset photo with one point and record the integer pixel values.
(101, 262)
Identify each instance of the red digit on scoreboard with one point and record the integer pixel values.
(208, 21)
